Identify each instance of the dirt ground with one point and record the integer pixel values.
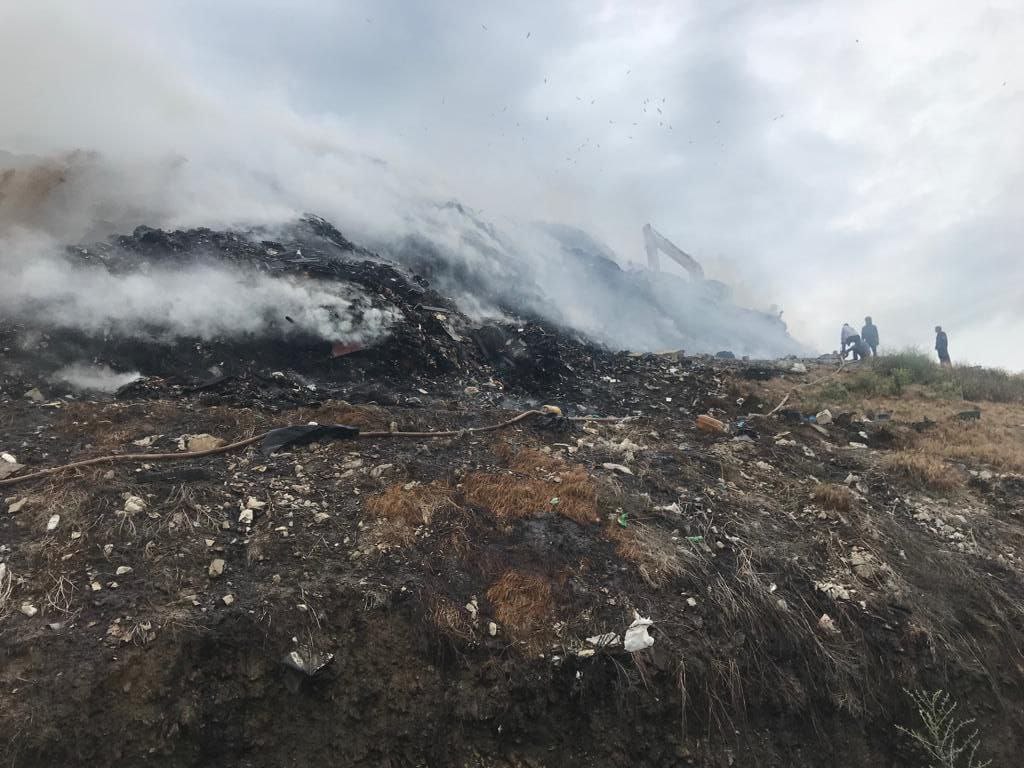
(422, 602)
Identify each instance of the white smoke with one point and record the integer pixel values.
(203, 301)
(154, 141)
(94, 378)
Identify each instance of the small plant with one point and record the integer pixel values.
(943, 740)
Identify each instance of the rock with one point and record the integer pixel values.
(35, 395)
(203, 442)
(7, 468)
(798, 368)
(123, 570)
(321, 517)
(380, 470)
(253, 503)
(473, 608)
(985, 474)
(863, 563)
(617, 468)
(924, 517)
(764, 465)
(692, 602)
(472, 391)
(52, 523)
(108, 549)
(216, 568)
(854, 444)
(17, 506)
(95, 586)
(228, 599)
(75, 535)
(710, 425)
(29, 610)
(825, 624)
(824, 418)
(133, 505)
(492, 628)
(245, 517)
(145, 442)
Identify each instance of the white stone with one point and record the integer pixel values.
(53, 522)
(216, 568)
(123, 570)
(29, 610)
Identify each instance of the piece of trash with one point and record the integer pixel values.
(824, 418)
(29, 610)
(692, 602)
(307, 662)
(637, 638)
(710, 425)
(617, 468)
(8, 458)
(253, 503)
(798, 368)
(228, 599)
(826, 624)
(52, 523)
(245, 517)
(623, 519)
(216, 568)
(286, 437)
(123, 570)
(972, 415)
(492, 629)
(17, 506)
(607, 640)
(695, 539)
(35, 395)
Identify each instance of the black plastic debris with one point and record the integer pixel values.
(288, 437)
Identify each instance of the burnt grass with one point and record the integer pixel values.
(441, 625)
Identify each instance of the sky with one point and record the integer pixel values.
(834, 159)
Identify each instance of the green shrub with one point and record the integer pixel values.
(992, 384)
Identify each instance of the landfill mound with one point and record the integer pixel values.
(674, 566)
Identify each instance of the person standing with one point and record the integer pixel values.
(942, 345)
(869, 333)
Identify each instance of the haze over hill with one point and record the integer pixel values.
(836, 163)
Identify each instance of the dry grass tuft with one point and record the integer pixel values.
(521, 601)
(651, 549)
(449, 618)
(400, 512)
(512, 496)
(528, 460)
(413, 507)
(834, 497)
(923, 469)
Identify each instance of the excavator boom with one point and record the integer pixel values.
(655, 242)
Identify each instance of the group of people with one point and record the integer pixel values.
(861, 345)
(865, 343)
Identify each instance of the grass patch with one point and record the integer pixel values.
(513, 496)
(923, 469)
(834, 497)
(521, 601)
(651, 549)
(399, 511)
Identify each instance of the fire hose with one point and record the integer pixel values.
(547, 410)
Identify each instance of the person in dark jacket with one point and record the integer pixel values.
(942, 345)
(869, 333)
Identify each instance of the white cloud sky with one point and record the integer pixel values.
(838, 159)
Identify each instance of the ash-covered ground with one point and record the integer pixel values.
(477, 599)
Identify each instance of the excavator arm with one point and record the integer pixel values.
(655, 242)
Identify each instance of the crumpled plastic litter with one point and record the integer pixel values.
(286, 437)
(637, 638)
